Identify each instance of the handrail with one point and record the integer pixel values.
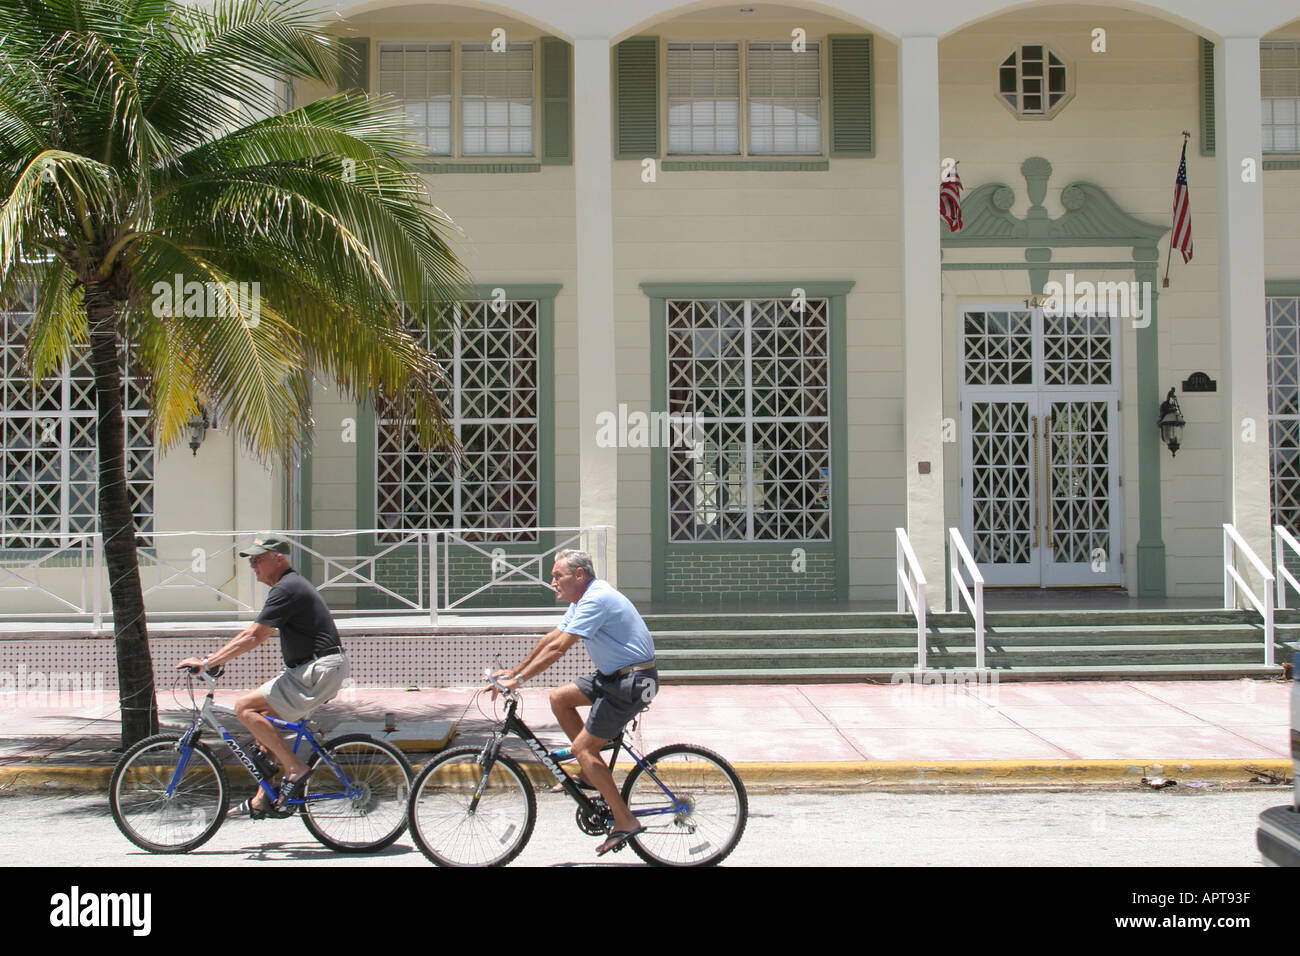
(905, 559)
(1281, 535)
(960, 591)
(1232, 580)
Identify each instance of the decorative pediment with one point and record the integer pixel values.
(1091, 217)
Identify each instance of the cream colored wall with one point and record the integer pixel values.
(513, 228)
(1121, 131)
(771, 226)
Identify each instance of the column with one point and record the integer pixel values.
(918, 174)
(1241, 293)
(597, 363)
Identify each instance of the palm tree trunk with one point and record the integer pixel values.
(131, 638)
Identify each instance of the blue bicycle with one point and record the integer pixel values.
(169, 793)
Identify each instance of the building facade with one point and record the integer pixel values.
(717, 310)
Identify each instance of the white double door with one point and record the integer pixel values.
(1040, 436)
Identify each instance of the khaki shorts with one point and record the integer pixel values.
(297, 691)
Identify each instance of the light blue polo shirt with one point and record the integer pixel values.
(610, 627)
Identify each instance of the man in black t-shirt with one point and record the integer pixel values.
(315, 665)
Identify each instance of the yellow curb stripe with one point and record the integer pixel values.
(845, 774)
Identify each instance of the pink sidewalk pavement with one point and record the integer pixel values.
(1057, 732)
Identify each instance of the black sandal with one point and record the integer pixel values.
(291, 790)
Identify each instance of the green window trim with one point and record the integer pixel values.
(636, 98)
(354, 70)
(851, 90)
(836, 292)
(556, 121)
(1206, 75)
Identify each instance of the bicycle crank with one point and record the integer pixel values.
(593, 824)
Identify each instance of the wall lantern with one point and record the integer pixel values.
(1171, 423)
(199, 425)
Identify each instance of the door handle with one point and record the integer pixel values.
(1047, 483)
(1033, 472)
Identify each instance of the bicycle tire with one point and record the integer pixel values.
(374, 819)
(154, 821)
(709, 830)
(441, 822)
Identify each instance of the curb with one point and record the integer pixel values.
(841, 775)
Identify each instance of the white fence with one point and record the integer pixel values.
(369, 571)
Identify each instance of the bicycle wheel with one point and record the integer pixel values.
(716, 807)
(155, 820)
(376, 816)
(491, 833)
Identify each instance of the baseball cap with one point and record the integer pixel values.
(264, 543)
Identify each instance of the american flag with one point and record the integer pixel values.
(1182, 237)
(949, 203)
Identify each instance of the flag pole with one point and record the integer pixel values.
(1165, 284)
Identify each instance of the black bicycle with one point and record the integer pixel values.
(475, 806)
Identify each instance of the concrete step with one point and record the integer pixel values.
(780, 675)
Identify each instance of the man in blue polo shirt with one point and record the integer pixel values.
(625, 681)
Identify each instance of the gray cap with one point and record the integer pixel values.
(264, 543)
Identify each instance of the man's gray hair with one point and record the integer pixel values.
(575, 559)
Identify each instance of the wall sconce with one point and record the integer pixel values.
(1171, 423)
(199, 425)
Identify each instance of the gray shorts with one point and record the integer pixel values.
(616, 700)
(297, 691)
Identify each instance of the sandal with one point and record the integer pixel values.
(291, 790)
(246, 809)
(616, 840)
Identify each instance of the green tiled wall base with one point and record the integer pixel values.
(734, 575)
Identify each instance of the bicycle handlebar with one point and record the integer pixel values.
(488, 676)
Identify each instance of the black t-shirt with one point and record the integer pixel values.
(299, 612)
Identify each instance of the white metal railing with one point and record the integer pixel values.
(911, 589)
(31, 568)
(958, 552)
(1234, 582)
(410, 569)
(1283, 538)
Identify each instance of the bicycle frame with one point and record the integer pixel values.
(206, 715)
(513, 724)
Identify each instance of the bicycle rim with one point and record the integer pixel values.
(160, 822)
(375, 815)
(452, 830)
(703, 820)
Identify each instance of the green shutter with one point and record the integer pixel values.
(557, 111)
(636, 98)
(1207, 97)
(354, 65)
(853, 114)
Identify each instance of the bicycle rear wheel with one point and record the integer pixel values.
(693, 814)
(451, 828)
(163, 822)
(376, 815)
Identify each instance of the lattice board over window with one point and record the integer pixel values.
(1284, 408)
(48, 460)
(753, 376)
(491, 355)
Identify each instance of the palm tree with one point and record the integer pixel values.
(141, 145)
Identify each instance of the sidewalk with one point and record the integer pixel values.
(862, 736)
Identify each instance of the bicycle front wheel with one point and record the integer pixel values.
(366, 811)
(691, 803)
(166, 801)
(454, 827)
